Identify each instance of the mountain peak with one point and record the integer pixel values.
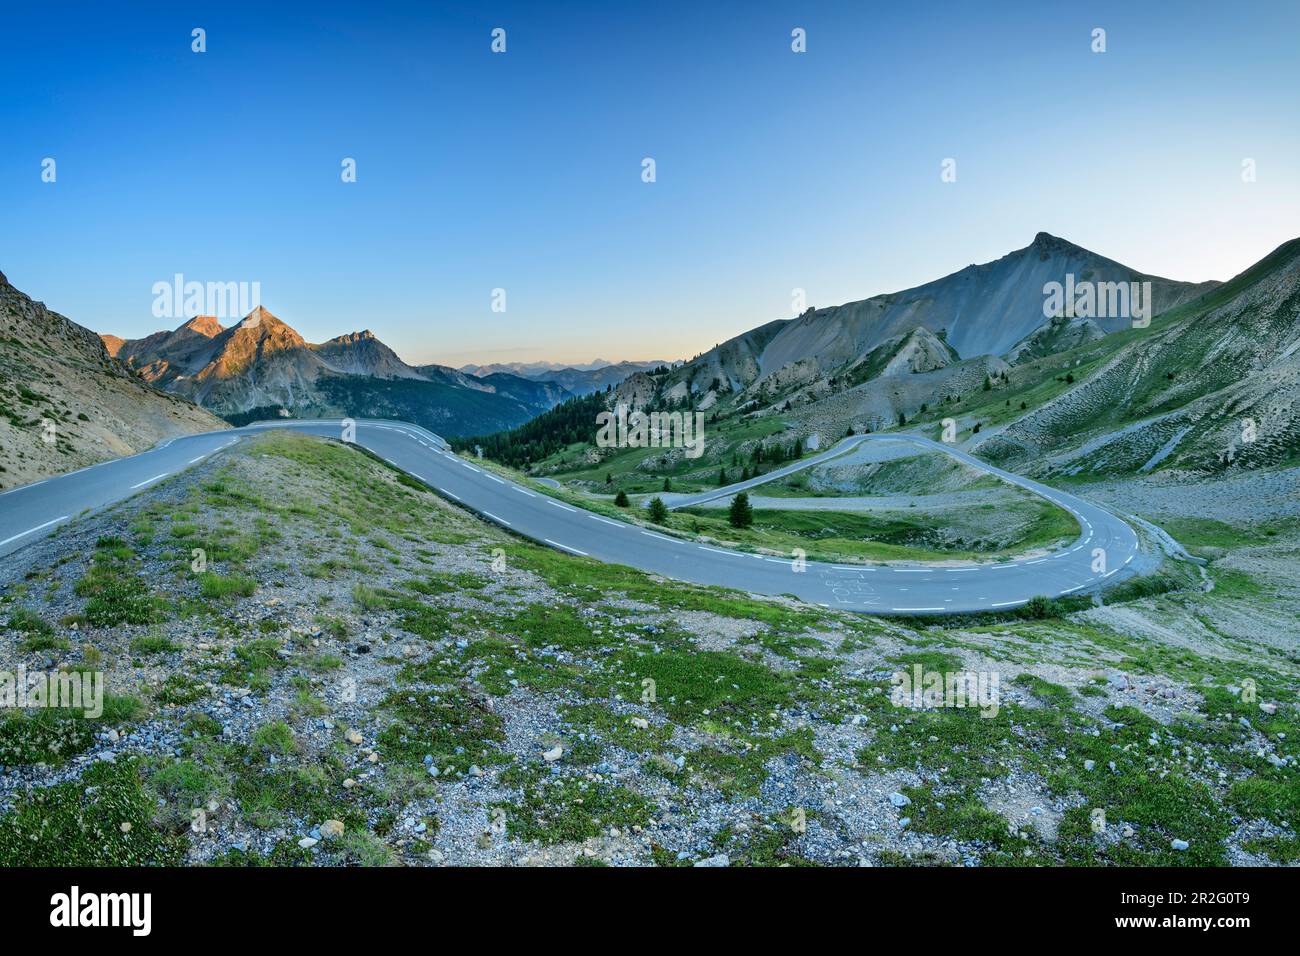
(1046, 242)
(206, 325)
(257, 317)
(351, 338)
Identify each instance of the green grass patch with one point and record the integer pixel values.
(215, 586)
(106, 818)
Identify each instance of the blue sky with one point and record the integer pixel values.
(522, 170)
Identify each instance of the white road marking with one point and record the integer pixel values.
(565, 547)
(661, 537)
(1004, 604)
(494, 478)
(495, 518)
(616, 524)
(23, 534)
(149, 481)
(560, 505)
(414, 475)
(451, 494)
(523, 491)
(200, 458)
(918, 609)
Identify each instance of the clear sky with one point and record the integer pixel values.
(523, 170)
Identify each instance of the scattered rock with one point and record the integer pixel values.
(331, 829)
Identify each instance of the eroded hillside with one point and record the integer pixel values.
(65, 404)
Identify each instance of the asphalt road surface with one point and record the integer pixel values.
(1102, 554)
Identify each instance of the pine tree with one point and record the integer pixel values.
(658, 511)
(620, 499)
(741, 514)
(722, 477)
(668, 484)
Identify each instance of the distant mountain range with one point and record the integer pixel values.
(65, 404)
(576, 379)
(539, 369)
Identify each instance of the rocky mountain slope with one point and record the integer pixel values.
(261, 365)
(981, 310)
(360, 353)
(64, 402)
(1210, 385)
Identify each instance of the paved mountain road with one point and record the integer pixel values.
(31, 511)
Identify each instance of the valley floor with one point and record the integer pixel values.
(365, 674)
